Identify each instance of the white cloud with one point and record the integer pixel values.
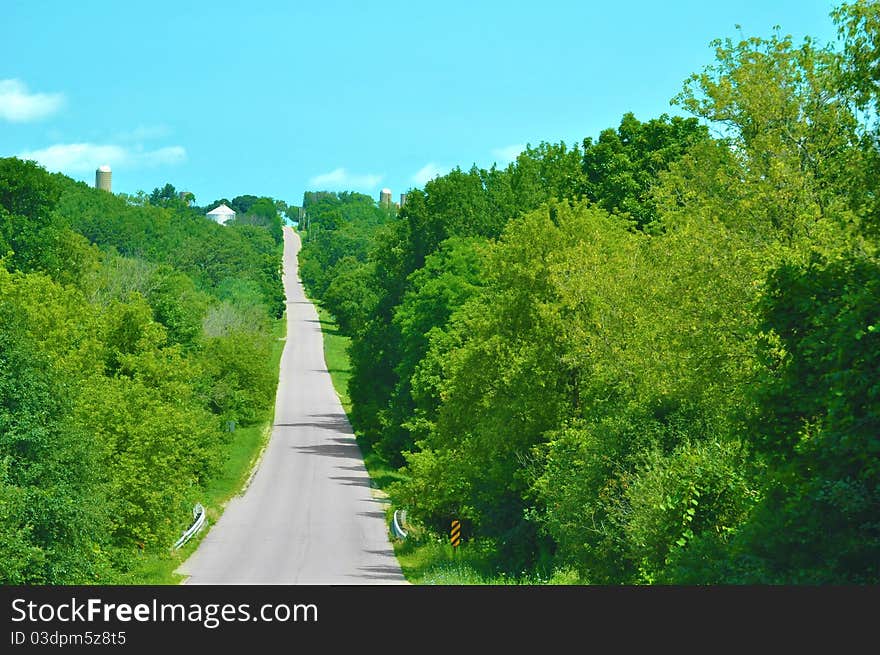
(160, 156)
(75, 157)
(144, 133)
(17, 105)
(509, 153)
(427, 173)
(86, 157)
(341, 179)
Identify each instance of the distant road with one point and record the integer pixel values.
(308, 516)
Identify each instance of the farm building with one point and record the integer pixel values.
(221, 214)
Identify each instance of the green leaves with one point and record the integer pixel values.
(116, 370)
(50, 487)
(664, 359)
(621, 167)
(820, 417)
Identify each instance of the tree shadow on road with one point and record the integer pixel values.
(334, 422)
(352, 481)
(341, 447)
(381, 572)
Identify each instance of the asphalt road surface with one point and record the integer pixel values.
(308, 515)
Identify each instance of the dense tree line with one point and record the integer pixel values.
(131, 334)
(340, 230)
(651, 357)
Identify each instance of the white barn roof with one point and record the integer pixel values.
(222, 210)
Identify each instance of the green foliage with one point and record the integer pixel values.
(340, 227)
(164, 196)
(31, 237)
(49, 480)
(450, 276)
(158, 450)
(698, 493)
(124, 348)
(648, 359)
(240, 374)
(264, 213)
(623, 165)
(793, 140)
(820, 423)
(859, 23)
(243, 204)
(177, 305)
(349, 296)
(474, 204)
(180, 237)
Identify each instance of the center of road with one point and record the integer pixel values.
(308, 515)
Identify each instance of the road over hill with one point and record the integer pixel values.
(308, 515)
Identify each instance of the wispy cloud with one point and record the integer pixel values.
(86, 157)
(427, 173)
(75, 157)
(341, 179)
(159, 157)
(509, 153)
(18, 105)
(144, 133)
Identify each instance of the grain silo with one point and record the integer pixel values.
(385, 197)
(102, 178)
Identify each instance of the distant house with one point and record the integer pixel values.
(222, 214)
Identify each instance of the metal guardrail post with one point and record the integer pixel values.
(198, 522)
(399, 532)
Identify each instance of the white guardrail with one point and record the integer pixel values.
(198, 523)
(396, 526)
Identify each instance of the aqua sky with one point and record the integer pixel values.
(275, 98)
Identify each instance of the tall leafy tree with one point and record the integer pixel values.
(622, 166)
(54, 527)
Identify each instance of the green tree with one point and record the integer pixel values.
(819, 424)
(622, 166)
(54, 529)
(164, 196)
(349, 296)
(109, 362)
(451, 275)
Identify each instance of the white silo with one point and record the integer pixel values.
(102, 178)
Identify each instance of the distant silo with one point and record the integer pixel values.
(402, 199)
(102, 178)
(385, 197)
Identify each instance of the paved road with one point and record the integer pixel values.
(308, 516)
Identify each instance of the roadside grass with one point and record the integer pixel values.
(436, 562)
(240, 456)
(429, 560)
(336, 357)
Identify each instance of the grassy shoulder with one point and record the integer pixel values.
(240, 456)
(428, 560)
(423, 558)
(336, 357)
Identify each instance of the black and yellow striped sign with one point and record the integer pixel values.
(455, 533)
